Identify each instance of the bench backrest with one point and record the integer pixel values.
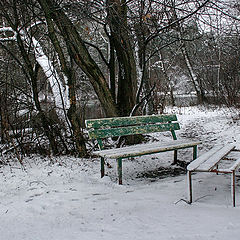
(123, 126)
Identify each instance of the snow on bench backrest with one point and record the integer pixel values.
(123, 126)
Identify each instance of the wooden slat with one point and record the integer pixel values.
(221, 170)
(127, 121)
(124, 131)
(194, 164)
(215, 158)
(235, 165)
(142, 149)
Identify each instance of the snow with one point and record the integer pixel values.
(195, 164)
(60, 92)
(64, 197)
(52, 76)
(7, 38)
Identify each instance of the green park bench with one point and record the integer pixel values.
(100, 129)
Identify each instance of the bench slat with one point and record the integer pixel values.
(235, 165)
(214, 159)
(124, 131)
(194, 164)
(127, 121)
(142, 149)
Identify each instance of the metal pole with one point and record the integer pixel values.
(189, 178)
(119, 164)
(233, 188)
(102, 167)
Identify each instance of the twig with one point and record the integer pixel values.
(38, 182)
(184, 200)
(202, 197)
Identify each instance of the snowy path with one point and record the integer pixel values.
(67, 206)
(69, 200)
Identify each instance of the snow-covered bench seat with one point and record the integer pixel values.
(209, 162)
(123, 126)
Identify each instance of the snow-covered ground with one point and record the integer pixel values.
(65, 198)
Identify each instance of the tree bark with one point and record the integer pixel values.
(71, 82)
(81, 56)
(112, 72)
(33, 77)
(3, 119)
(168, 80)
(127, 77)
(198, 88)
(45, 123)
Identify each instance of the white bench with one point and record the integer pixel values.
(208, 162)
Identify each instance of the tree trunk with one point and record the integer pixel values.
(81, 56)
(142, 31)
(127, 76)
(71, 82)
(3, 119)
(168, 80)
(112, 72)
(45, 123)
(198, 88)
(75, 118)
(33, 77)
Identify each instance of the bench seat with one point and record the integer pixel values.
(208, 162)
(143, 149)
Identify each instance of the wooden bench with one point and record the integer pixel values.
(209, 162)
(122, 126)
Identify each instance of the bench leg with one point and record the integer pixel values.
(233, 188)
(175, 157)
(194, 152)
(217, 169)
(102, 167)
(119, 164)
(189, 178)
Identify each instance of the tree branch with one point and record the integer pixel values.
(175, 22)
(99, 51)
(146, 97)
